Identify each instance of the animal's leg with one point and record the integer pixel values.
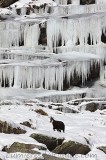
(59, 130)
(54, 129)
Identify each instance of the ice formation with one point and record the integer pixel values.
(65, 2)
(76, 29)
(81, 9)
(100, 1)
(26, 63)
(59, 7)
(76, 2)
(48, 74)
(13, 33)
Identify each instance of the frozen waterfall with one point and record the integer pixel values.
(70, 31)
(12, 34)
(48, 73)
(53, 46)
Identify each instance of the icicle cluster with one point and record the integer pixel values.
(65, 2)
(44, 76)
(81, 9)
(76, 2)
(14, 33)
(61, 97)
(70, 31)
(99, 49)
(100, 1)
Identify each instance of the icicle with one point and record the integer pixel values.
(65, 2)
(73, 29)
(47, 76)
(12, 33)
(23, 10)
(76, 2)
(100, 1)
(61, 2)
(31, 35)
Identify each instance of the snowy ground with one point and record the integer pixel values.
(17, 106)
(79, 126)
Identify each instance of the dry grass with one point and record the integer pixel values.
(41, 112)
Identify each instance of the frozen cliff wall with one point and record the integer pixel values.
(53, 46)
(83, 2)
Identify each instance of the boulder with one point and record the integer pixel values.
(41, 112)
(92, 107)
(7, 128)
(72, 148)
(23, 148)
(50, 142)
(26, 123)
(103, 148)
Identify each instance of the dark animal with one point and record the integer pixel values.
(58, 125)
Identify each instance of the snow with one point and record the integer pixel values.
(4, 11)
(41, 94)
(83, 125)
(25, 3)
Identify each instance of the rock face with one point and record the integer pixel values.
(43, 34)
(72, 148)
(103, 148)
(7, 128)
(77, 80)
(21, 147)
(50, 142)
(6, 3)
(83, 2)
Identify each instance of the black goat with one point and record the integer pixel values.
(58, 125)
